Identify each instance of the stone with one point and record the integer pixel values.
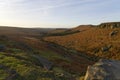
(2, 48)
(106, 48)
(104, 70)
(113, 33)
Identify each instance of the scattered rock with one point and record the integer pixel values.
(2, 48)
(60, 74)
(104, 70)
(113, 33)
(1, 66)
(106, 48)
(96, 50)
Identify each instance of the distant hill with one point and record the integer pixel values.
(5, 30)
(95, 40)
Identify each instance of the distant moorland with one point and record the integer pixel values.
(56, 54)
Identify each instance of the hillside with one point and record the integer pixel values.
(100, 40)
(55, 54)
(24, 55)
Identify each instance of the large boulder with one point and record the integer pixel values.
(104, 70)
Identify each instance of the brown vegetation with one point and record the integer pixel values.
(93, 40)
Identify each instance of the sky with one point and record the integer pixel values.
(57, 13)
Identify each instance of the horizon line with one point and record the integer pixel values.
(57, 27)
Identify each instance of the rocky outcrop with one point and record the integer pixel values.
(110, 25)
(104, 70)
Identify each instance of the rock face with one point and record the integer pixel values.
(104, 70)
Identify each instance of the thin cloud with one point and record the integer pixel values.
(56, 11)
(40, 4)
(63, 3)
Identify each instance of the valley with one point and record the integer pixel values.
(55, 54)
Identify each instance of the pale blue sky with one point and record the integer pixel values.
(57, 13)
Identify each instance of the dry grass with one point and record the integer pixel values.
(91, 41)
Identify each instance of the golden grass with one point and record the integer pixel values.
(90, 41)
